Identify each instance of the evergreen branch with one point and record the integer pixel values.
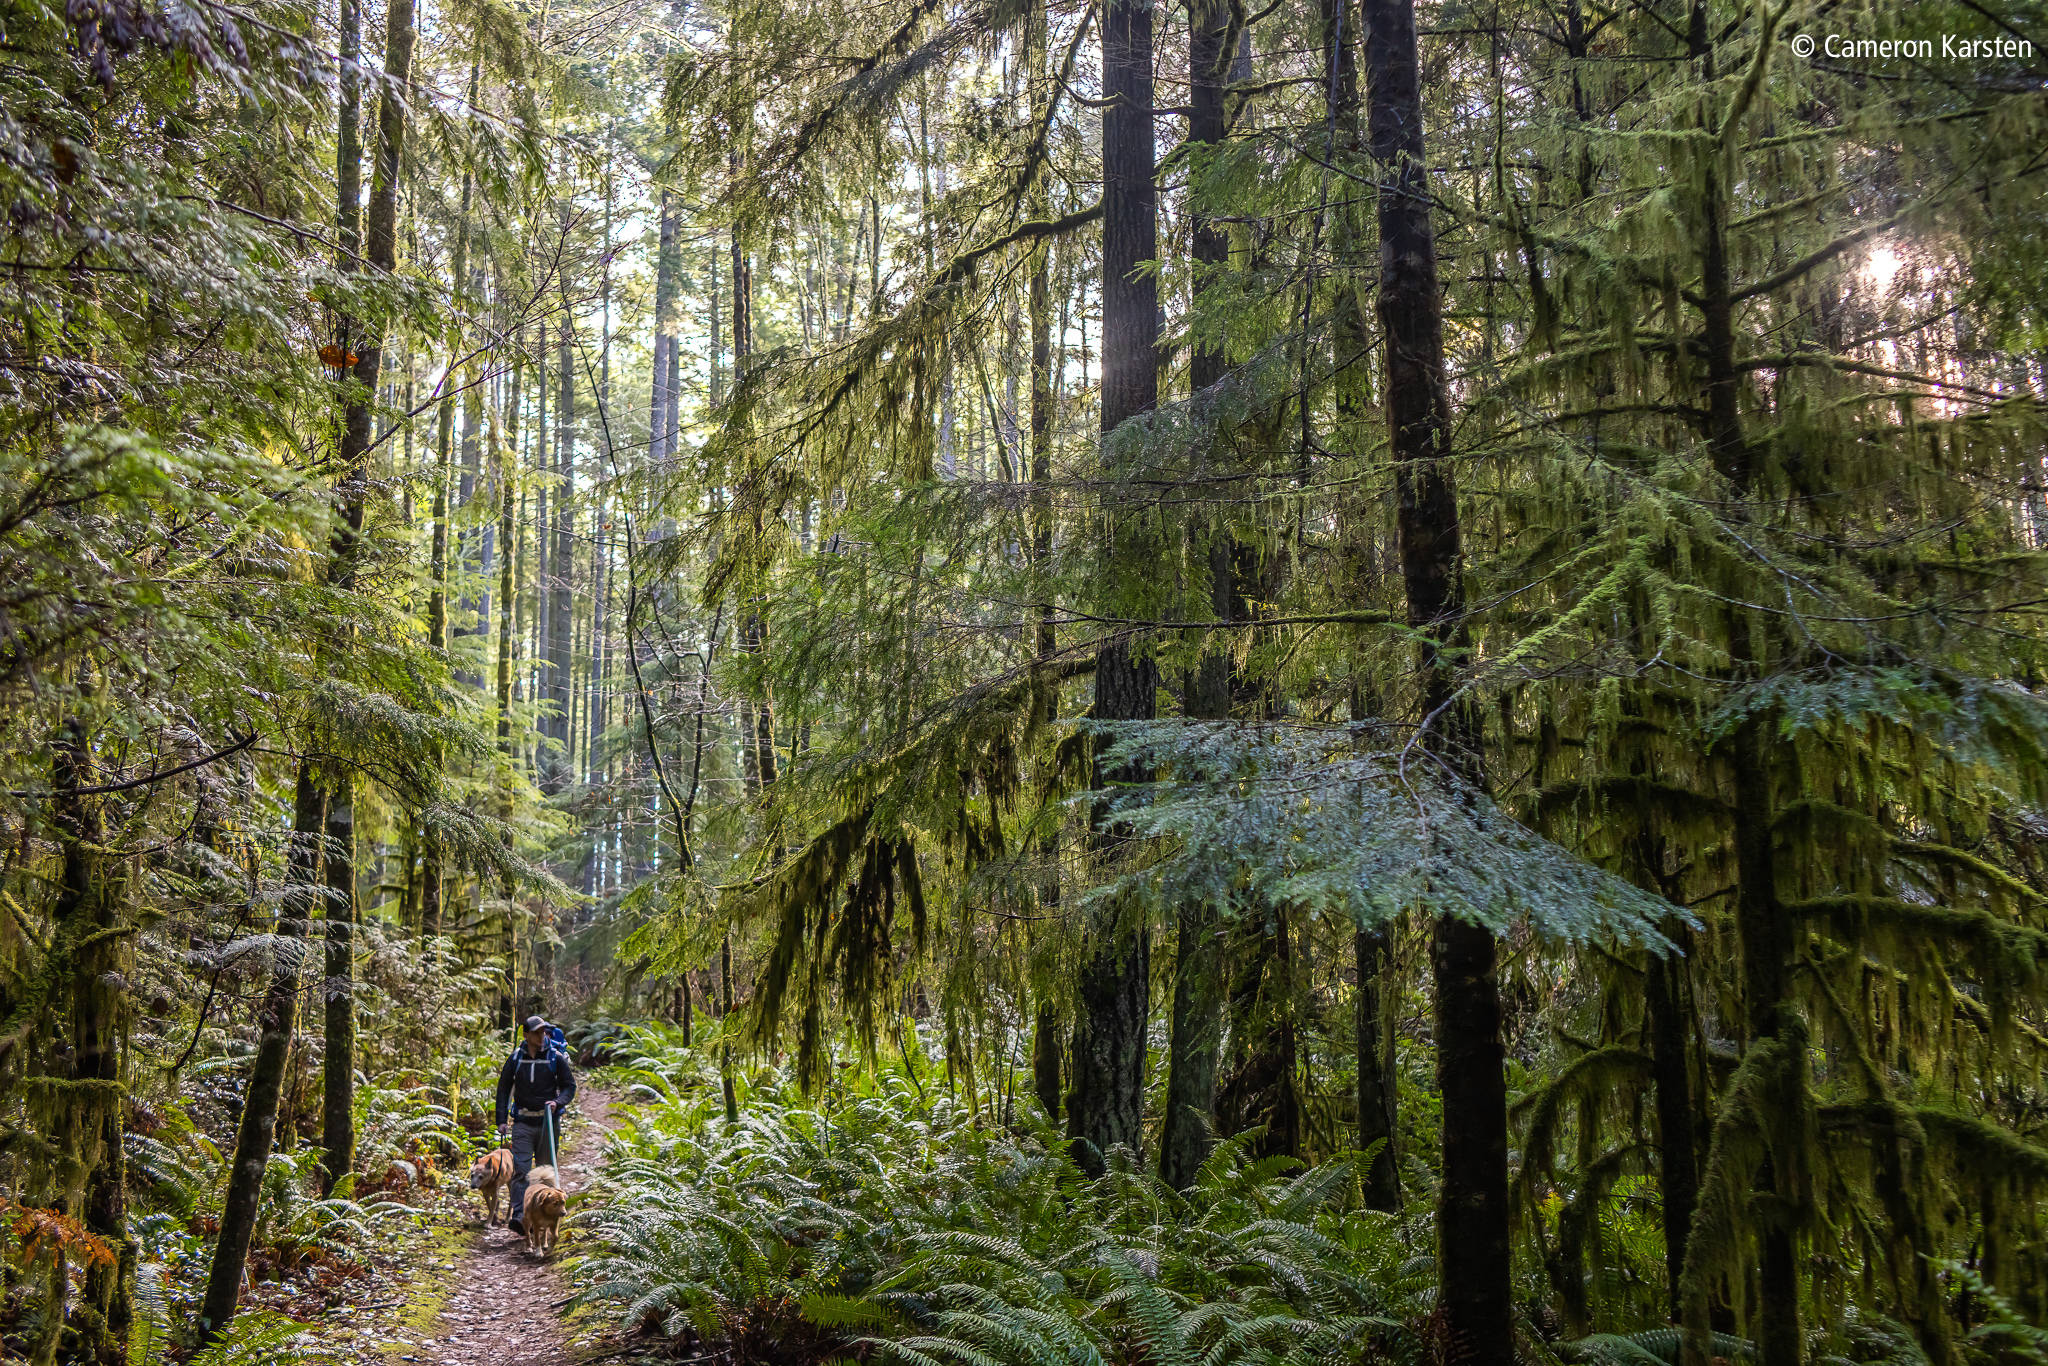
(1752, 79)
(150, 779)
(1806, 264)
(1962, 858)
(1824, 360)
(1360, 617)
(1031, 230)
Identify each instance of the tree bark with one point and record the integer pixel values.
(1472, 1212)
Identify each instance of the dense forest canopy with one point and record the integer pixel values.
(1169, 682)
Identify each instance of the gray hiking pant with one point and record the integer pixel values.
(529, 1146)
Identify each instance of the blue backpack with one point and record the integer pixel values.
(557, 1042)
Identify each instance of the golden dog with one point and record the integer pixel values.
(491, 1174)
(545, 1206)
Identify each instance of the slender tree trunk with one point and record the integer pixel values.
(1472, 1211)
(1378, 1129)
(433, 875)
(1195, 1048)
(276, 1021)
(664, 303)
(1045, 1036)
(1107, 1102)
(717, 319)
(561, 763)
(506, 462)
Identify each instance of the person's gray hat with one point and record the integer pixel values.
(534, 1022)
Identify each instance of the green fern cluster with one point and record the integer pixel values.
(892, 1222)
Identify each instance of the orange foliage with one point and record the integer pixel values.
(32, 1227)
(335, 356)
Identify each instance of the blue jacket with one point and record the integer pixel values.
(527, 1083)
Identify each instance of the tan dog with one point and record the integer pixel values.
(491, 1174)
(545, 1206)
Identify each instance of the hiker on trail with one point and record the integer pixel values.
(537, 1085)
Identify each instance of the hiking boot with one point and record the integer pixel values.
(518, 1229)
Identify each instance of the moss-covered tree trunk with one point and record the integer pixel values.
(1763, 933)
(86, 1102)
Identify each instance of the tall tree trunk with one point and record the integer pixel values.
(1046, 1031)
(92, 932)
(1472, 1211)
(1764, 939)
(433, 875)
(1377, 1094)
(338, 1080)
(1763, 933)
(1106, 1107)
(1196, 1041)
(338, 1068)
(276, 1020)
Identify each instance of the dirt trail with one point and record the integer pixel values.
(500, 1312)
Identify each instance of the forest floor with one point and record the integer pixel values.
(472, 1295)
